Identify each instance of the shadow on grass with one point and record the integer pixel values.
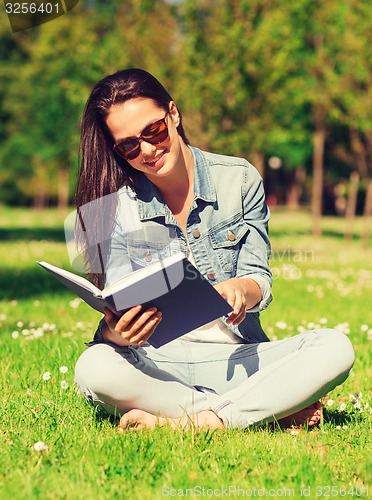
(336, 418)
(16, 284)
(32, 234)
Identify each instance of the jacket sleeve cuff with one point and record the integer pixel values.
(265, 292)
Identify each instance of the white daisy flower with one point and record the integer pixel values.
(19, 324)
(344, 427)
(358, 395)
(15, 334)
(63, 369)
(323, 321)
(364, 328)
(343, 327)
(330, 402)
(40, 446)
(281, 325)
(342, 407)
(46, 376)
(64, 384)
(310, 325)
(250, 421)
(338, 427)
(294, 432)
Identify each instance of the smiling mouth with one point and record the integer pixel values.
(154, 160)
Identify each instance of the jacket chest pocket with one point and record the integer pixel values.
(227, 239)
(149, 246)
(143, 253)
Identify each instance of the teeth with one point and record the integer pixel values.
(155, 159)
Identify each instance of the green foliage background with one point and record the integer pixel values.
(254, 78)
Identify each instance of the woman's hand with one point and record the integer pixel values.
(241, 294)
(130, 329)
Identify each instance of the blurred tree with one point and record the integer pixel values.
(13, 54)
(45, 99)
(236, 56)
(354, 93)
(46, 94)
(334, 66)
(264, 77)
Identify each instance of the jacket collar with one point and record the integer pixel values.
(151, 203)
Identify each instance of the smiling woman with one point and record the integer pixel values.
(154, 133)
(226, 373)
(156, 148)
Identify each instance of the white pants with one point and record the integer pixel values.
(241, 383)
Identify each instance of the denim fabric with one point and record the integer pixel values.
(226, 230)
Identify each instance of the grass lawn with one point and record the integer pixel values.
(43, 328)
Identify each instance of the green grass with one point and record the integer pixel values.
(315, 280)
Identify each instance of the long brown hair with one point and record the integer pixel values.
(101, 171)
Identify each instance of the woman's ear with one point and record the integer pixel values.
(173, 111)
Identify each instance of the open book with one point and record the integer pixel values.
(172, 285)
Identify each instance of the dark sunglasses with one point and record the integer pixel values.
(155, 133)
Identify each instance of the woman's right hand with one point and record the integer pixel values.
(129, 331)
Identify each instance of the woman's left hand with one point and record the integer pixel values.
(232, 290)
(241, 294)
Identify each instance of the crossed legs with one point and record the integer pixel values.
(216, 385)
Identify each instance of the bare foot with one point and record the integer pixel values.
(308, 416)
(139, 419)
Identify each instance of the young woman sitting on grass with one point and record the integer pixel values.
(226, 373)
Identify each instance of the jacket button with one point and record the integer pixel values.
(196, 233)
(210, 276)
(230, 235)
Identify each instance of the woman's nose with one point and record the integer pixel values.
(147, 149)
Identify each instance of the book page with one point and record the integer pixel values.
(75, 278)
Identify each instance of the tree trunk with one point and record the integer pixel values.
(351, 205)
(295, 188)
(40, 199)
(367, 213)
(63, 188)
(259, 163)
(318, 159)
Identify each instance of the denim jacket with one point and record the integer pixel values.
(226, 231)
